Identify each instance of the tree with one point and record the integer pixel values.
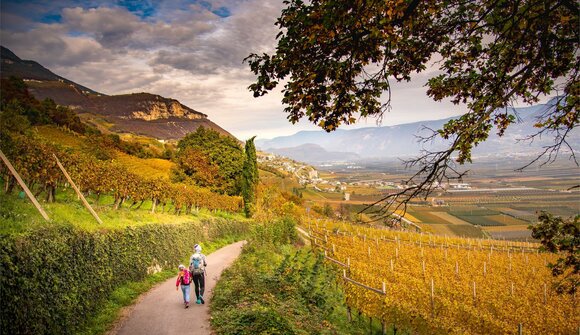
(194, 164)
(250, 177)
(222, 151)
(337, 58)
(562, 237)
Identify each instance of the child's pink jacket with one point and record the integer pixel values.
(186, 277)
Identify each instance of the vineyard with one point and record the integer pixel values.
(35, 162)
(440, 285)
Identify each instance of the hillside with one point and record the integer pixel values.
(313, 153)
(402, 141)
(138, 113)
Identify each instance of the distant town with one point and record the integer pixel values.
(308, 176)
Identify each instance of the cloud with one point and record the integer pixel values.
(190, 50)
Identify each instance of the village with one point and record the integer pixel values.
(309, 176)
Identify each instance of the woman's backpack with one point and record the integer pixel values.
(196, 265)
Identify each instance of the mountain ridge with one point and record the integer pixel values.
(138, 113)
(402, 141)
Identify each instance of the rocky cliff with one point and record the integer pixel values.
(140, 113)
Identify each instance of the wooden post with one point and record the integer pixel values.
(24, 187)
(545, 294)
(456, 268)
(432, 299)
(392, 268)
(474, 295)
(520, 329)
(512, 290)
(77, 190)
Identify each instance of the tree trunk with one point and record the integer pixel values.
(50, 193)
(117, 202)
(142, 201)
(153, 205)
(98, 197)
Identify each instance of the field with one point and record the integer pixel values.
(499, 197)
(442, 285)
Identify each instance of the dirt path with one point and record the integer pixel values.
(160, 311)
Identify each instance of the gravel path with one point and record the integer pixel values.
(160, 311)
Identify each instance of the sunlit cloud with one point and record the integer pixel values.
(188, 50)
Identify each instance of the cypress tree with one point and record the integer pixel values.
(249, 177)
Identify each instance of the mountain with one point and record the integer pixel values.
(138, 113)
(313, 154)
(401, 141)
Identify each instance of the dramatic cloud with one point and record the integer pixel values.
(189, 50)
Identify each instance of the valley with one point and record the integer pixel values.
(492, 201)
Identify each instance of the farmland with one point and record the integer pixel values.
(499, 203)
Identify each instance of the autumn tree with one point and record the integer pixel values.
(250, 177)
(194, 166)
(337, 59)
(221, 151)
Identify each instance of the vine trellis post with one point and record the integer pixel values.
(24, 187)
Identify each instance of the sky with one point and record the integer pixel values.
(191, 51)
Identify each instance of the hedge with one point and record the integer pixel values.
(52, 278)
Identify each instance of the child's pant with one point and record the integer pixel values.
(185, 290)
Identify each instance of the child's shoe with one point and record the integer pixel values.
(201, 299)
(187, 305)
(198, 301)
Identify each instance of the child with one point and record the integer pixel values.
(183, 278)
(197, 266)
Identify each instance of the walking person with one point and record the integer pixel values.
(184, 279)
(197, 266)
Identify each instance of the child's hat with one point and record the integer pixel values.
(181, 266)
(197, 247)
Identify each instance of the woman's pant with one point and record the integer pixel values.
(199, 282)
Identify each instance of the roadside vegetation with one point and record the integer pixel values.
(279, 286)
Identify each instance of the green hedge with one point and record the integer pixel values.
(51, 279)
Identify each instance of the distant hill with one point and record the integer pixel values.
(139, 113)
(313, 154)
(401, 141)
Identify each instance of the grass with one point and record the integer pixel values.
(480, 220)
(18, 214)
(298, 295)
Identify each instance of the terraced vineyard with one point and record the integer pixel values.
(440, 285)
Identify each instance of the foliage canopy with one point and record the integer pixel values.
(204, 151)
(337, 58)
(562, 237)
